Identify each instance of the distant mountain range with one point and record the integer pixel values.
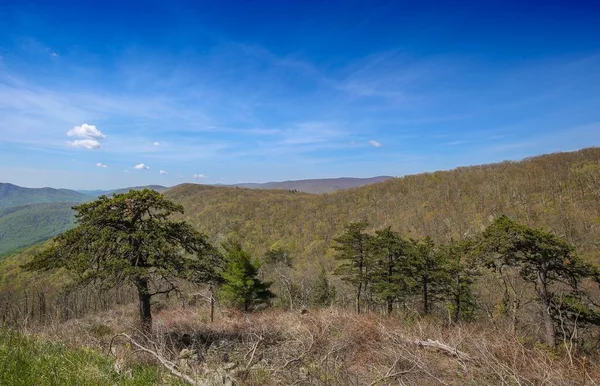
(13, 195)
(98, 193)
(324, 185)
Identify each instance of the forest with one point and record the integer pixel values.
(479, 275)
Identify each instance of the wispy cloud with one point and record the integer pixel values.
(374, 143)
(162, 172)
(199, 176)
(101, 165)
(156, 144)
(141, 167)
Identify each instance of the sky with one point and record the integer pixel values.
(107, 94)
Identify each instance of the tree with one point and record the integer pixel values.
(131, 239)
(546, 262)
(459, 270)
(428, 271)
(323, 292)
(391, 274)
(241, 285)
(353, 248)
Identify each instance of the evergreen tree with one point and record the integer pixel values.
(428, 272)
(459, 270)
(323, 293)
(391, 275)
(241, 285)
(548, 263)
(130, 239)
(353, 248)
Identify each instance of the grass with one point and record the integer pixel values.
(27, 360)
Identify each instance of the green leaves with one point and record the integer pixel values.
(241, 286)
(128, 238)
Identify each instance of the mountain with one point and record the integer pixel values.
(22, 226)
(325, 185)
(13, 195)
(28, 216)
(98, 193)
(559, 192)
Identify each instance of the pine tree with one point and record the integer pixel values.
(241, 286)
(131, 239)
(323, 293)
(549, 265)
(428, 272)
(353, 248)
(390, 275)
(459, 270)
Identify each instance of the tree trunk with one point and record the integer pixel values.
(390, 306)
(144, 304)
(212, 304)
(358, 293)
(425, 296)
(545, 304)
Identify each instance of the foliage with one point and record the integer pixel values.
(353, 249)
(461, 270)
(545, 261)
(392, 275)
(241, 285)
(323, 292)
(277, 254)
(540, 191)
(22, 226)
(429, 273)
(129, 239)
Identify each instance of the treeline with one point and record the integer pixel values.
(390, 271)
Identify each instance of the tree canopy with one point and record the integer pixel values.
(131, 239)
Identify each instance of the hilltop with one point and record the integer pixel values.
(325, 185)
(13, 195)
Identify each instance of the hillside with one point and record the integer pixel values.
(12, 195)
(559, 191)
(26, 225)
(325, 185)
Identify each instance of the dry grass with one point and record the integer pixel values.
(334, 347)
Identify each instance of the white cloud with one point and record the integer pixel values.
(199, 176)
(375, 143)
(126, 171)
(163, 172)
(141, 166)
(101, 165)
(85, 144)
(156, 144)
(86, 131)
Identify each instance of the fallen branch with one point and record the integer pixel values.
(444, 348)
(166, 363)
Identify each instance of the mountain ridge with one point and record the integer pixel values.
(315, 185)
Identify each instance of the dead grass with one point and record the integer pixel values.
(334, 347)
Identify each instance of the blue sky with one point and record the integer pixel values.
(256, 91)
